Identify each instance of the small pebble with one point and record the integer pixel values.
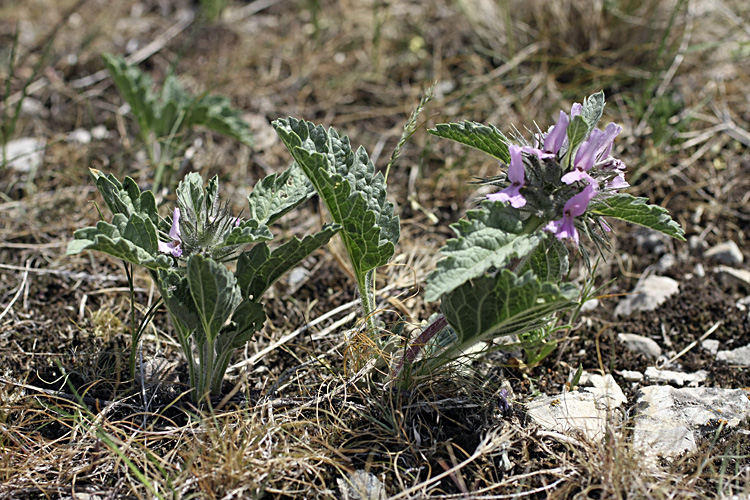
(640, 344)
(631, 375)
(725, 253)
(711, 345)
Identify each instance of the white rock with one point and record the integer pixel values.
(80, 135)
(711, 345)
(647, 295)
(361, 485)
(676, 378)
(585, 412)
(603, 386)
(730, 276)
(99, 132)
(665, 262)
(640, 344)
(699, 270)
(589, 305)
(739, 356)
(631, 375)
(725, 253)
(25, 154)
(667, 419)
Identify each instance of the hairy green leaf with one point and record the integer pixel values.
(214, 291)
(489, 237)
(637, 211)
(592, 109)
(549, 262)
(135, 87)
(578, 130)
(503, 304)
(216, 113)
(250, 231)
(125, 198)
(488, 139)
(353, 193)
(260, 267)
(131, 240)
(277, 194)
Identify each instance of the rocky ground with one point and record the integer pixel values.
(661, 408)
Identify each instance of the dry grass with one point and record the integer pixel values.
(675, 74)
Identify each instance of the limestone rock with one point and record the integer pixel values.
(648, 294)
(668, 420)
(674, 377)
(640, 344)
(585, 412)
(725, 253)
(739, 356)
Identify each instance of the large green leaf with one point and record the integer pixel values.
(637, 211)
(125, 198)
(131, 240)
(353, 193)
(216, 113)
(485, 138)
(503, 304)
(277, 194)
(260, 267)
(214, 291)
(135, 87)
(578, 130)
(489, 237)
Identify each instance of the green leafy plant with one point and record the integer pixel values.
(355, 196)
(214, 310)
(505, 272)
(165, 118)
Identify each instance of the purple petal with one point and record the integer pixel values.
(555, 137)
(172, 248)
(605, 147)
(515, 170)
(577, 204)
(576, 109)
(617, 182)
(174, 231)
(588, 149)
(577, 175)
(511, 195)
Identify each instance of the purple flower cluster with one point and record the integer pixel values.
(593, 169)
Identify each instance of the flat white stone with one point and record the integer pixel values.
(638, 343)
(25, 154)
(674, 377)
(668, 420)
(80, 135)
(739, 356)
(711, 345)
(647, 295)
(585, 412)
(632, 375)
(361, 485)
(725, 253)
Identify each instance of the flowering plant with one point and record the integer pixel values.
(505, 272)
(213, 310)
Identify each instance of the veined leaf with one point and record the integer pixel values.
(247, 320)
(489, 237)
(125, 198)
(592, 109)
(192, 199)
(216, 113)
(354, 194)
(549, 262)
(249, 231)
(260, 267)
(135, 88)
(578, 130)
(276, 194)
(135, 244)
(503, 304)
(214, 291)
(636, 211)
(488, 139)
